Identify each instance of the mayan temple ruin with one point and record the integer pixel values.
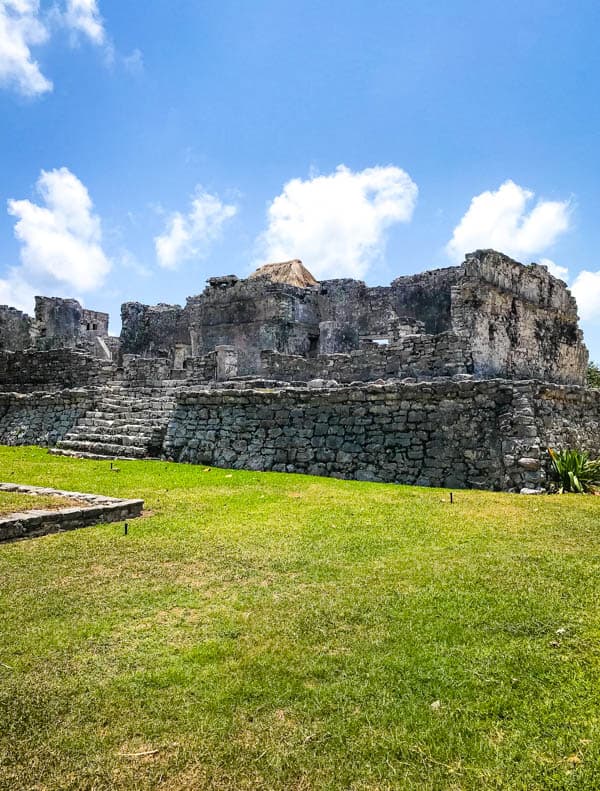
(458, 377)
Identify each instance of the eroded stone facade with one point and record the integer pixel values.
(455, 377)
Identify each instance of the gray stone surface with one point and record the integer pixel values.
(34, 523)
(477, 434)
(463, 370)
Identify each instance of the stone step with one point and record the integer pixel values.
(80, 454)
(103, 448)
(134, 417)
(114, 439)
(138, 402)
(133, 409)
(117, 426)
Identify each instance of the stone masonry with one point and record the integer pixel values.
(454, 377)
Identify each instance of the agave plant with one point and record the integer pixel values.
(574, 471)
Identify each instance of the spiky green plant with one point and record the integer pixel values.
(574, 471)
(593, 375)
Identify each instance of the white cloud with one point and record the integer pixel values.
(23, 25)
(16, 291)
(190, 235)
(61, 240)
(83, 16)
(561, 272)
(337, 223)
(20, 29)
(586, 290)
(501, 220)
(134, 62)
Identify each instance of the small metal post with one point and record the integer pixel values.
(126, 528)
(451, 497)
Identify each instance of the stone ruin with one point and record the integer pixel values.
(455, 377)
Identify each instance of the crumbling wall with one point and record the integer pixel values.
(41, 418)
(438, 434)
(479, 434)
(520, 320)
(65, 324)
(153, 330)
(55, 369)
(420, 356)
(253, 315)
(15, 329)
(427, 297)
(145, 371)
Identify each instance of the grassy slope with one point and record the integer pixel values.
(267, 631)
(13, 502)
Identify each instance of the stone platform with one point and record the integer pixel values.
(38, 522)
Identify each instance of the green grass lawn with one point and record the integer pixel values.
(264, 631)
(12, 502)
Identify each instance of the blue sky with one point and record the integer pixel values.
(146, 147)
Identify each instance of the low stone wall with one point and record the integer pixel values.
(418, 356)
(145, 371)
(56, 369)
(41, 418)
(35, 523)
(477, 434)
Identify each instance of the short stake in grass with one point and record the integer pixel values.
(126, 529)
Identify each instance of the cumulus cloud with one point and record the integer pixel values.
(16, 291)
(20, 29)
(337, 223)
(503, 220)
(83, 16)
(23, 26)
(61, 240)
(586, 290)
(190, 235)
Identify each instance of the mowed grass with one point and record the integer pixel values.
(18, 502)
(264, 631)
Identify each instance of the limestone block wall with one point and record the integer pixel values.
(479, 434)
(253, 315)
(521, 321)
(56, 369)
(41, 418)
(153, 329)
(420, 356)
(145, 371)
(438, 434)
(15, 329)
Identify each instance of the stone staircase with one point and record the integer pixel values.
(124, 424)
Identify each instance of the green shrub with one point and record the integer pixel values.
(574, 471)
(593, 375)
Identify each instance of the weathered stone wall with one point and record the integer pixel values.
(253, 315)
(55, 369)
(427, 297)
(15, 329)
(483, 434)
(521, 321)
(445, 434)
(420, 356)
(64, 323)
(153, 330)
(145, 371)
(41, 418)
